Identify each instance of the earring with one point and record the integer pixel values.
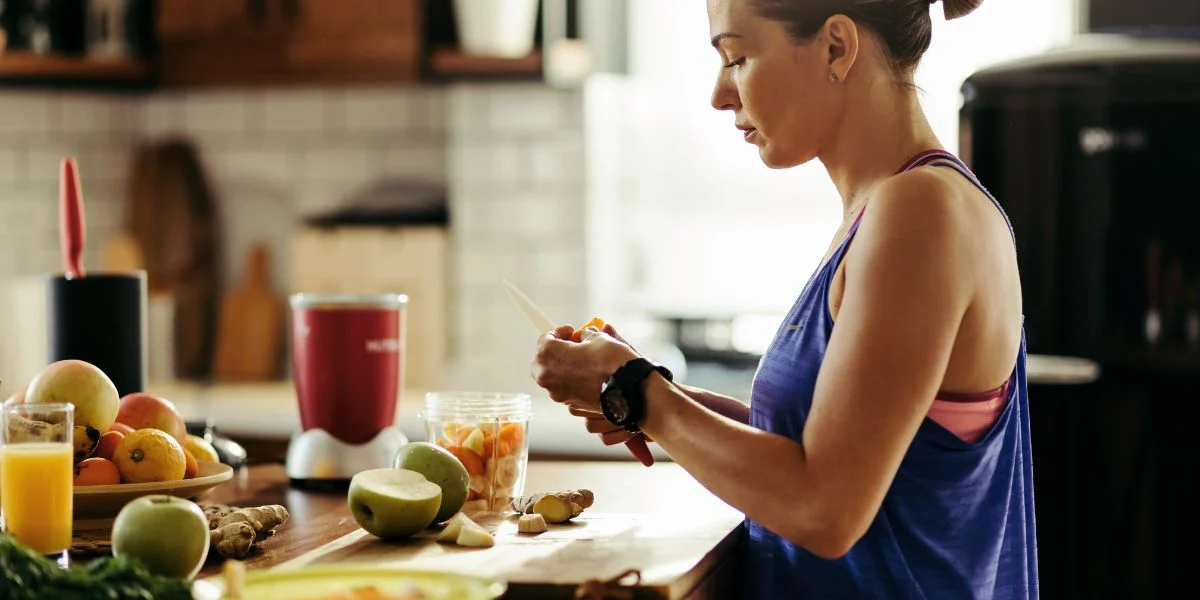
(832, 77)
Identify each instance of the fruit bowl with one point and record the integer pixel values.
(93, 502)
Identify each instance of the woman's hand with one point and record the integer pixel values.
(610, 435)
(574, 372)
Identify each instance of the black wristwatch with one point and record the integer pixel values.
(621, 398)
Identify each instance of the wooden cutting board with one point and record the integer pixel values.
(659, 521)
(250, 330)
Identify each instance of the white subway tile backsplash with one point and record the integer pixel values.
(523, 109)
(559, 159)
(384, 110)
(423, 161)
(256, 165)
(494, 164)
(511, 156)
(159, 115)
(216, 112)
(298, 111)
(44, 160)
(106, 163)
(346, 164)
(21, 111)
(434, 101)
(86, 113)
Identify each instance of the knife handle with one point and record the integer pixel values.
(638, 447)
(70, 211)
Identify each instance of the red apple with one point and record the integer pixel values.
(141, 411)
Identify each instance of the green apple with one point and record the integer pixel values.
(439, 466)
(168, 534)
(393, 504)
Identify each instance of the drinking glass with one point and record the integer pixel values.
(36, 475)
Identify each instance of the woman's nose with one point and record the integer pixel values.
(724, 96)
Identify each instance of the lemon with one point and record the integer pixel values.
(149, 455)
(200, 448)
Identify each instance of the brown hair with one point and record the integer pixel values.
(903, 25)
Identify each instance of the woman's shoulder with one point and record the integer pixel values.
(918, 210)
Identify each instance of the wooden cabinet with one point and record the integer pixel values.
(238, 42)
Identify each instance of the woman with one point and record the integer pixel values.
(885, 450)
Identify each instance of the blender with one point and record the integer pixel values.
(348, 369)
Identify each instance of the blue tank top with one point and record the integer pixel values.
(958, 520)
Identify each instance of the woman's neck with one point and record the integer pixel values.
(883, 128)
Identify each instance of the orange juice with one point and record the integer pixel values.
(35, 494)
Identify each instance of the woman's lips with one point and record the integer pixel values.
(747, 133)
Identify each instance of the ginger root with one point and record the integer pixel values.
(533, 523)
(555, 507)
(234, 530)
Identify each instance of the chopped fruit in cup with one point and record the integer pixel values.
(470, 460)
(512, 437)
(494, 454)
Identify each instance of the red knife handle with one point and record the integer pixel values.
(70, 213)
(640, 450)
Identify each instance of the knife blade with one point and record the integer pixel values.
(636, 445)
(532, 312)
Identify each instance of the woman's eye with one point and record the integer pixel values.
(736, 63)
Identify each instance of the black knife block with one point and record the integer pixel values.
(101, 319)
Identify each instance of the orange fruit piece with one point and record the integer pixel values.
(511, 436)
(190, 466)
(148, 455)
(469, 459)
(108, 444)
(96, 471)
(596, 322)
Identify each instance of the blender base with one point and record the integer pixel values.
(315, 457)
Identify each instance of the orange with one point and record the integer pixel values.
(469, 459)
(108, 444)
(512, 435)
(596, 322)
(150, 455)
(190, 466)
(96, 471)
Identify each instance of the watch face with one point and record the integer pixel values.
(615, 405)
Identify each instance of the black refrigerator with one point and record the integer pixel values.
(1094, 151)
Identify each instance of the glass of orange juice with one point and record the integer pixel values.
(36, 475)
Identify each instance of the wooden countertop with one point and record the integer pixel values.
(657, 520)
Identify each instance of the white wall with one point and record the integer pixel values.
(710, 229)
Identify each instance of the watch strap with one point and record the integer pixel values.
(628, 379)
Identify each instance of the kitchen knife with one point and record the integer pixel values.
(637, 445)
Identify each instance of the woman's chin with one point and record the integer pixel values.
(775, 159)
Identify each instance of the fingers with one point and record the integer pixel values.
(564, 332)
(610, 330)
(583, 412)
(600, 425)
(617, 436)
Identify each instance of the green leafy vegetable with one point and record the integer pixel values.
(26, 575)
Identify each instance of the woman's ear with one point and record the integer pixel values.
(841, 37)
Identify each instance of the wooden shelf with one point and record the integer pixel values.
(22, 67)
(451, 63)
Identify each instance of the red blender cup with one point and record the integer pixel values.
(348, 368)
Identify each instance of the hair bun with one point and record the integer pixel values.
(954, 9)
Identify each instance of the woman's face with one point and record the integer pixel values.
(779, 91)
